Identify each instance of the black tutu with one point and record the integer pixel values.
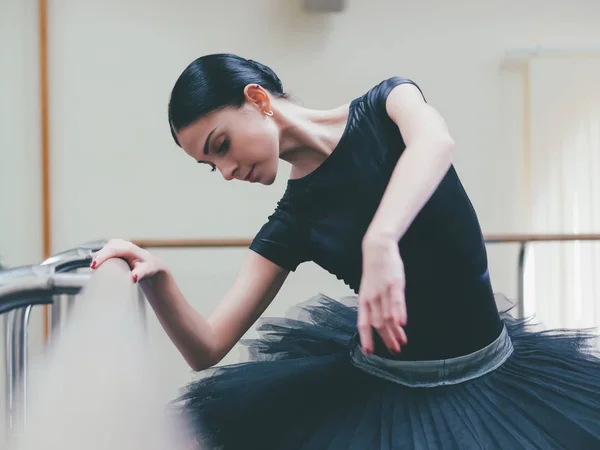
(303, 389)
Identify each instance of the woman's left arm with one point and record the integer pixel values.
(418, 172)
(420, 169)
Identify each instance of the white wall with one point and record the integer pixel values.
(20, 208)
(116, 172)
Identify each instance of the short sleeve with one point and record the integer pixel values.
(377, 96)
(282, 241)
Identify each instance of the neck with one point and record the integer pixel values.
(308, 136)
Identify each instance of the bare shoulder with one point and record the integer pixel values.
(404, 97)
(416, 118)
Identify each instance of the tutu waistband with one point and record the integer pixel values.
(434, 373)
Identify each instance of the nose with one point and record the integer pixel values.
(229, 172)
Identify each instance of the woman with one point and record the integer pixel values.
(421, 358)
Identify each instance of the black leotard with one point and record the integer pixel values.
(323, 217)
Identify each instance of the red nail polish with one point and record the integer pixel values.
(135, 277)
(93, 265)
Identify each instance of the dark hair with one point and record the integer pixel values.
(216, 81)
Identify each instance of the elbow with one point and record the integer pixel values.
(445, 145)
(202, 360)
(441, 148)
(438, 145)
(200, 364)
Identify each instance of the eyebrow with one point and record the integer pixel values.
(208, 141)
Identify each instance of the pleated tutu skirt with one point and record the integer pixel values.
(309, 386)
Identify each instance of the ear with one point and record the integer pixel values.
(259, 97)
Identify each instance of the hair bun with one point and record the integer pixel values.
(267, 71)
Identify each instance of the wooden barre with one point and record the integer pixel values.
(521, 238)
(192, 243)
(245, 242)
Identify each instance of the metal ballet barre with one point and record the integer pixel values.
(46, 284)
(20, 290)
(70, 261)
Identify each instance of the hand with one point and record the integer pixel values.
(142, 263)
(381, 302)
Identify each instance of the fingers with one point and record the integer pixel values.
(371, 315)
(115, 248)
(398, 312)
(140, 271)
(391, 331)
(398, 303)
(364, 327)
(380, 315)
(387, 314)
(401, 336)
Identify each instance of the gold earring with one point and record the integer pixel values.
(268, 113)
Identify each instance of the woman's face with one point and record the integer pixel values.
(241, 143)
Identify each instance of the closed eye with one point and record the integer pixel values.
(223, 147)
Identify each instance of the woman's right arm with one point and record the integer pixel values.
(202, 343)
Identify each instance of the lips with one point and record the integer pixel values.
(250, 176)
